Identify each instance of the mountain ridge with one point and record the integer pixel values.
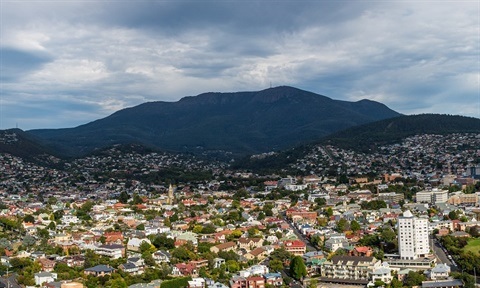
(238, 122)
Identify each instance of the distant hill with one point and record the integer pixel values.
(18, 143)
(368, 137)
(242, 123)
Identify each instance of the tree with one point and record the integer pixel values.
(468, 280)
(474, 232)
(313, 283)
(52, 200)
(164, 270)
(146, 247)
(453, 215)
(5, 243)
(320, 201)
(414, 279)
(342, 225)
(51, 226)
(396, 283)
(123, 198)
(298, 270)
(232, 266)
(329, 212)
(167, 222)
(281, 254)
(118, 282)
(29, 218)
(28, 241)
(316, 240)
(275, 265)
(161, 241)
(354, 226)
(197, 229)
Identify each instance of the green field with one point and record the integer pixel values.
(472, 246)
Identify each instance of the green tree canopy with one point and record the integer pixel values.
(298, 270)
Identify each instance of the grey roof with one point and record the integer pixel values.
(445, 283)
(112, 246)
(441, 268)
(100, 268)
(129, 265)
(43, 274)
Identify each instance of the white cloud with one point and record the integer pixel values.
(411, 56)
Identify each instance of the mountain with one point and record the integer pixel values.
(241, 122)
(368, 137)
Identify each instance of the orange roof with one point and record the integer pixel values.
(363, 249)
(294, 243)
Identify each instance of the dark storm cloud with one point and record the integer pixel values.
(16, 63)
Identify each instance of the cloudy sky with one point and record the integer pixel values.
(66, 63)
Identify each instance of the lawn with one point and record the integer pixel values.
(472, 246)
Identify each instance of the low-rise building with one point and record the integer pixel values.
(113, 251)
(99, 270)
(296, 247)
(44, 277)
(350, 268)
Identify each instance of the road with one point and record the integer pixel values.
(300, 236)
(441, 255)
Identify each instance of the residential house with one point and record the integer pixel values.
(37, 255)
(130, 268)
(382, 273)
(440, 272)
(74, 261)
(161, 256)
(274, 279)
(113, 251)
(47, 264)
(254, 270)
(44, 277)
(135, 243)
(115, 237)
(258, 253)
(335, 242)
(199, 263)
(238, 282)
(196, 283)
(296, 247)
(218, 262)
(99, 270)
(362, 251)
(185, 269)
(228, 246)
(217, 285)
(256, 282)
(249, 243)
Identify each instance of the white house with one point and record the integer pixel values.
(70, 219)
(135, 243)
(440, 271)
(44, 277)
(382, 273)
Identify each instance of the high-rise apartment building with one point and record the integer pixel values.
(412, 236)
